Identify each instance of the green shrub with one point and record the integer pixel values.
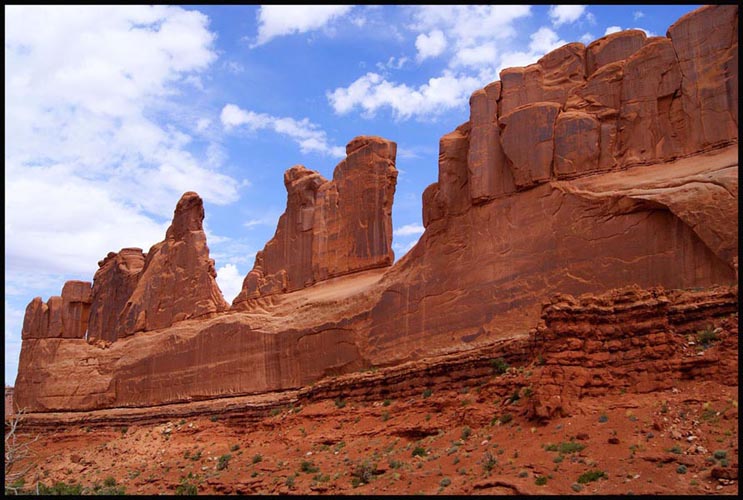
(387, 402)
(566, 447)
(706, 337)
(489, 462)
(466, 433)
(214, 418)
(427, 393)
(603, 418)
(224, 461)
(445, 482)
(720, 454)
(257, 458)
(591, 475)
(340, 403)
(505, 418)
(61, 488)
(385, 416)
(234, 447)
(308, 467)
(196, 456)
(290, 481)
(681, 469)
(363, 472)
(109, 481)
(540, 480)
(419, 451)
(676, 449)
(499, 366)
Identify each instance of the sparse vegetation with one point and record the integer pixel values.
(214, 418)
(540, 480)
(681, 469)
(224, 461)
(387, 402)
(489, 462)
(706, 337)
(565, 448)
(340, 403)
(362, 473)
(603, 418)
(445, 482)
(427, 393)
(720, 454)
(505, 418)
(466, 432)
(591, 475)
(499, 366)
(419, 451)
(257, 458)
(676, 449)
(308, 467)
(234, 447)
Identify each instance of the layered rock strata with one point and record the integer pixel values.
(621, 182)
(329, 228)
(632, 340)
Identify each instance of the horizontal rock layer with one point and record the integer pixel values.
(571, 176)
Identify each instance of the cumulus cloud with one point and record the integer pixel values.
(612, 29)
(281, 20)
(373, 92)
(430, 45)
(94, 159)
(306, 134)
(565, 14)
(467, 35)
(230, 281)
(587, 38)
(638, 14)
(409, 230)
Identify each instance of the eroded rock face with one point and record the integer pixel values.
(330, 228)
(629, 339)
(113, 285)
(177, 281)
(601, 195)
(64, 316)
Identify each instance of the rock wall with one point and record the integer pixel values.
(329, 228)
(590, 170)
(634, 340)
(64, 316)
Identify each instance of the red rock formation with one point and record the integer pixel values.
(611, 48)
(629, 339)
(329, 228)
(60, 317)
(597, 198)
(113, 285)
(177, 281)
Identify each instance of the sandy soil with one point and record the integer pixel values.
(450, 442)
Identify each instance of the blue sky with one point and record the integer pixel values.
(111, 113)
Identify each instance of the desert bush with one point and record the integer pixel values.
(591, 475)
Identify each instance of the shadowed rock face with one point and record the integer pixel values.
(329, 228)
(596, 168)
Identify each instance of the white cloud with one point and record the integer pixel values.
(306, 134)
(612, 29)
(202, 124)
(565, 14)
(466, 34)
(97, 156)
(403, 248)
(638, 14)
(590, 18)
(372, 92)
(587, 38)
(13, 326)
(392, 63)
(430, 45)
(230, 281)
(409, 230)
(280, 20)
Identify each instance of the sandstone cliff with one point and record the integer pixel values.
(596, 168)
(329, 228)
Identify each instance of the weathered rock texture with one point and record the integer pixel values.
(592, 169)
(633, 340)
(177, 281)
(60, 317)
(330, 228)
(113, 285)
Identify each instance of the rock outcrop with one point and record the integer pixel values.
(329, 228)
(633, 340)
(113, 285)
(177, 281)
(596, 168)
(64, 316)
